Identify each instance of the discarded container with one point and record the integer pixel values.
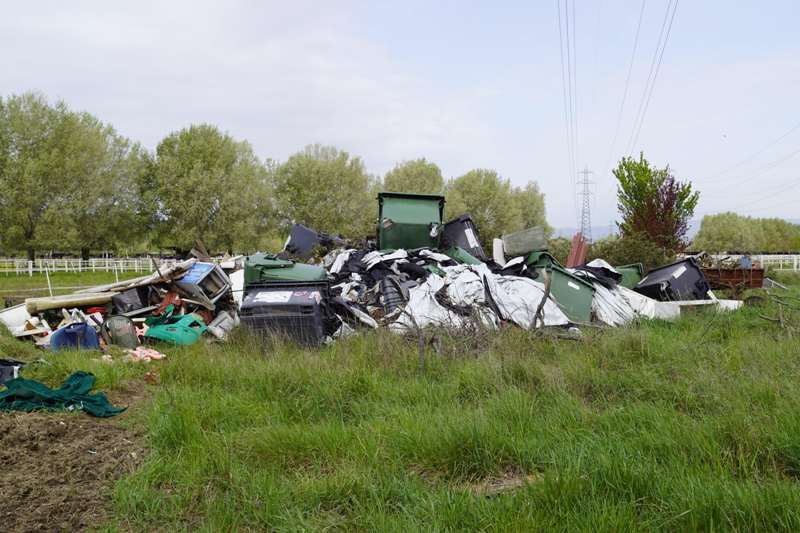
(631, 274)
(295, 309)
(462, 256)
(266, 268)
(541, 258)
(682, 280)
(121, 331)
(130, 300)
(180, 330)
(78, 336)
(303, 241)
(408, 220)
(525, 241)
(573, 295)
(222, 325)
(462, 233)
(734, 278)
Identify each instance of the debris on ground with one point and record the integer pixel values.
(422, 272)
(177, 306)
(418, 271)
(73, 395)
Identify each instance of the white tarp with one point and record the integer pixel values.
(465, 286)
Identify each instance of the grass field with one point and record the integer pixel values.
(16, 288)
(681, 426)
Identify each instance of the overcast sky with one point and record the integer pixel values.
(464, 84)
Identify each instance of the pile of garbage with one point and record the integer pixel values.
(422, 272)
(417, 272)
(176, 306)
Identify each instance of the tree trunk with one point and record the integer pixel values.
(31, 253)
(85, 254)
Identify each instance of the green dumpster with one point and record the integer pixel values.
(631, 274)
(405, 220)
(572, 294)
(264, 268)
(541, 258)
(461, 255)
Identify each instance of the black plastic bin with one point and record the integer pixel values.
(682, 280)
(463, 233)
(297, 310)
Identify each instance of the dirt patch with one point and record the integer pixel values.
(511, 480)
(57, 471)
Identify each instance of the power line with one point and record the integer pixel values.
(575, 85)
(655, 66)
(627, 84)
(758, 172)
(794, 183)
(567, 115)
(754, 154)
(569, 95)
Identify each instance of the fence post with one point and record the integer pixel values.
(47, 275)
(30, 269)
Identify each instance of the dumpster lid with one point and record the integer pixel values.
(420, 196)
(269, 261)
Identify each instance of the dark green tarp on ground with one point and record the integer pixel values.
(29, 395)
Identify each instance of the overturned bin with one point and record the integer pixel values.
(461, 233)
(574, 295)
(631, 274)
(682, 280)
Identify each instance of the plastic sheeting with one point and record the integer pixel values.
(466, 286)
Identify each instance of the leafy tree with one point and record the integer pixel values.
(210, 187)
(100, 208)
(418, 176)
(494, 203)
(61, 180)
(729, 232)
(327, 189)
(653, 203)
(529, 201)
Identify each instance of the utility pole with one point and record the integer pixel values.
(586, 203)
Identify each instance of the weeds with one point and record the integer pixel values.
(679, 425)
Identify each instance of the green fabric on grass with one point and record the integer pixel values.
(29, 395)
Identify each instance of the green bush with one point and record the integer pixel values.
(633, 249)
(559, 248)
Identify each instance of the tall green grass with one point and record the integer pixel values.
(687, 425)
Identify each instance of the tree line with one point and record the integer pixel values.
(70, 182)
(730, 232)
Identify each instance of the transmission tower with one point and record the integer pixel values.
(586, 203)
